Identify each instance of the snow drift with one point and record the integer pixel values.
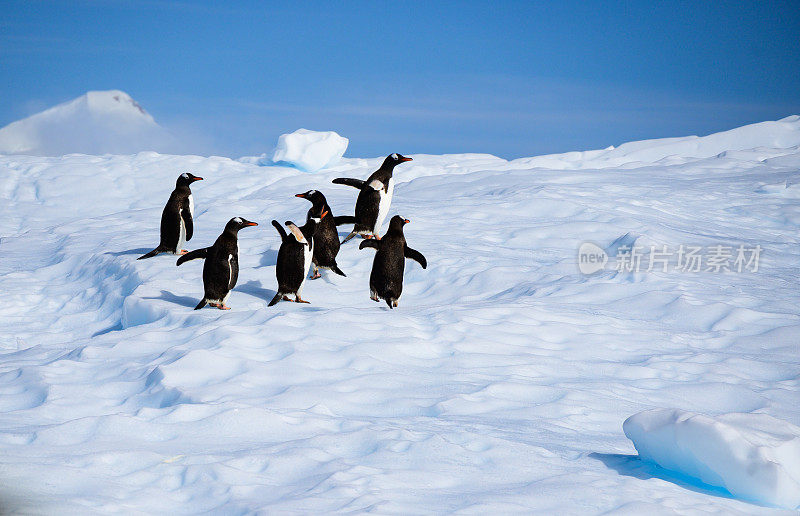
(310, 150)
(98, 122)
(754, 456)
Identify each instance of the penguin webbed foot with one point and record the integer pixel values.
(298, 299)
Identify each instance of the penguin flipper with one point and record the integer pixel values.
(275, 299)
(151, 253)
(193, 255)
(416, 256)
(201, 304)
(344, 219)
(280, 229)
(349, 181)
(335, 268)
(187, 220)
(369, 243)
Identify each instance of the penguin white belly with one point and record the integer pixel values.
(308, 253)
(230, 271)
(181, 234)
(383, 206)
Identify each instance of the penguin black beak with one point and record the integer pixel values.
(405, 159)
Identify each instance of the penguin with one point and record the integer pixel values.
(177, 223)
(386, 278)
(295, 256)
(221, 269)
(326, 239)
(374, 199)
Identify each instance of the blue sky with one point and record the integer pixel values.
(508, 78)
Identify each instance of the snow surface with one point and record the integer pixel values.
(754, 456)
(97, 122)
(310, 150)
(499, 385)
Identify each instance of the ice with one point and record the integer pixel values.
(499, 385)
(97, 122)
(754, 456)
(310, 150)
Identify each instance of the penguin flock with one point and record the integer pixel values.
(307, 248)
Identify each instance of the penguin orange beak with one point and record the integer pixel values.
(251, 224)
(407, 221)
(198, 178)
(324, 212)
(406, 159)
(301, 195)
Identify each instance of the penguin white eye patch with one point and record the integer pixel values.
(394, 156)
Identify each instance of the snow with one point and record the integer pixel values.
(310, 150)
(499, 385)
(97, 122)
(754, 456)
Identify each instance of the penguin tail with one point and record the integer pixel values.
(335, 268)
(201, 304)
(275, 299)
(349, 237)
(152, 253)
(390, 302)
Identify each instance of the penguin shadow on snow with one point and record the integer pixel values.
(254, 288)
(633, 466)
(178, 300)
(268, 259)
(139, 251)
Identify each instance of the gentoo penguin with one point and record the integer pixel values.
(294, 257)
(326, 238)
(374, 198)
(386, 279)
(177, 223)
(221, 269)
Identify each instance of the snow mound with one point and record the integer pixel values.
(779, 134)
(98, 122)
(310, 150)
(754, 456)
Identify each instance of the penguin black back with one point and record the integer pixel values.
(294, 258)
(388, 266)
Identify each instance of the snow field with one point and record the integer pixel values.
(499, 386)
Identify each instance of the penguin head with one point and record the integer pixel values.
(315, 197)
(187, 178)
(397, 223)
(237, 223)
(393, 160)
